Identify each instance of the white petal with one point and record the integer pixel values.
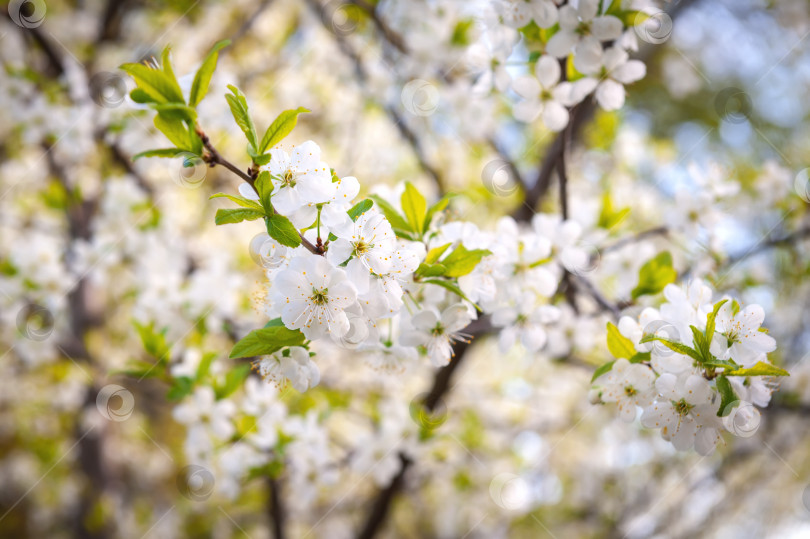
(286, 200)
(555, 116)
(606, 28)
(527, 111)
(547, 70)
(527, 86)
(610, 95)
(561, 43)
(587, 9)
(248, 192)
(630, 72)
(588, 56)
(544, 13)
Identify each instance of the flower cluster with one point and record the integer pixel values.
(696, 368)
(588, 39)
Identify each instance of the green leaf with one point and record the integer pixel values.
(436, 208)
(265, 341)
(434, 254)
(203, 77)
(154, 342)
(760, 369)
(282, 230)
(244, 202)
(674, 346)
(164, 152)
(654, 275)
(414, 207)
(175, 130)
(139, 95)
(463, 261)
(602, 370)
(727, 396)
(239, 108)
(181, 387)
(154, 83)
(205, 366)
(233, 380)
(619, 345)
(711, 320)
(713, 362)
(176, 111)
(640, 357)
(360, 208)
(609, 216)
(228, 216)
(280, 128)
(274, 323)
(430, 270)
(702, 347)
(452, 287)
(398, 223)
(264, 186)
(166, 65)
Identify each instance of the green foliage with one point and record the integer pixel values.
(360, 208)
(282, 230)
(436, 208)
(228, 216)
(414, 206)
(674, 346)
(244, 202)
(239, 109)
(280, 128)
(433, 255)
(233, 380)
(463, 261)
(654, 275)
(727, 396)
(398, 223)
(199, 88)
(154, 341)
(164, 152)
(602, 369)
(619, 345)
(264, 187)
(609, 216)
(759, 369)
(267, 340)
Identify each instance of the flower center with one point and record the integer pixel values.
(682, 407)
(361, 247)
(630, 391)
(437, 330)
(319, 297)
(288, 178)
(583, 28)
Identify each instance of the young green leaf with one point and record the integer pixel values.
(280, 128)
(701, 345)
(436, 208)
(233, 380)
(239, 108)
(264, 186)
(282, 230)
(654, 275)
(180, 388)
(602, 369)
(155, 83)
(760, 369)
(430, 270)
(203, 76)
(228, 216)
(434, 254)
(414, 207)
(176, 111)
(452, 287)
(165, 152)
(712, 319)
(674, 346)
(727, 396)
(139, 95)
(398, 223)
(175, 130)
(360, 208)
(619, 345)
(244, 202)
(265, 341)
(166, 65)
(462, 261)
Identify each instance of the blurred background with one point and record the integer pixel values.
(109, 266)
